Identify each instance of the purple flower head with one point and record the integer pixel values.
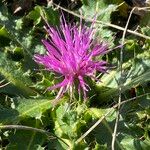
(71, 52)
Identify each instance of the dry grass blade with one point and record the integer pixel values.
(103, 23)
(93, 127)
(104, 116)
(1, 86)
(21, 127)
(120, 83)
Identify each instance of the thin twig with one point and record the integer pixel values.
(1, 86)
(21, 127)
(120, 83)
(103, 23)
(93, 127)
(101, 119)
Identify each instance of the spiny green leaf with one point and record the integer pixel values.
(7, 115)
(97, 8)
(102, 11)
(49, 14)
(136, 74)
(12, 74)
(25, 108)
(33, 107)
(26, 140)
(35, 15)
(98, 113)
(131, 143)
(4, 37)
(69, 123)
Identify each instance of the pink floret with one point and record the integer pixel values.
(71, 52)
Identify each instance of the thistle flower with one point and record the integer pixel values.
(71, 52)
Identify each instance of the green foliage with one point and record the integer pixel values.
(102, 12)
(25, 108)
(135, 73)
(11, 71)
(33, 107)
(25, 101)
(29, 140)
(4, 37)
(7, 115)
